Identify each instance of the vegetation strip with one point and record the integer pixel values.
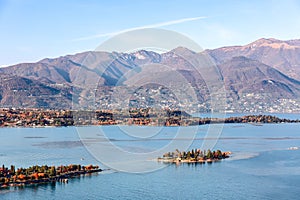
(136, 116)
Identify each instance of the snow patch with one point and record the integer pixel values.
(270, 81)
(139, 56)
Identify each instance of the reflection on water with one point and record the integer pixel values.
(242, 155)
(34, 137)
(59, 144)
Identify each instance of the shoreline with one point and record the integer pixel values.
(38, 118)
(63, 179)
(209, 161)
(92, 125)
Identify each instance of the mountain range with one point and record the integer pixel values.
(267, 67)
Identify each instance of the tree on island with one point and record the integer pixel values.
(52, 171)
(188, 155)
(219, 154)
(209, 154)
(193, 153)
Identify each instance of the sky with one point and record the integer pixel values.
(32, 30)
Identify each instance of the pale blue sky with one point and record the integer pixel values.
(35, 29)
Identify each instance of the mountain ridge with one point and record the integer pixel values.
(279, 54)
(268, 66)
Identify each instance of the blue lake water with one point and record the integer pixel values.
(261, 166)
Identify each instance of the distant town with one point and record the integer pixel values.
(13, 117)
(258, 103)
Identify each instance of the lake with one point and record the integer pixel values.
(261, 166)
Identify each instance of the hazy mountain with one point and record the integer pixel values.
(266, 66)
(24, 92)
(281, 55)
(244, 75)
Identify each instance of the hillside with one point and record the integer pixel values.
(267, 69)
(281, 55)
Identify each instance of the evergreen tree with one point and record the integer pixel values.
(219, 154)
(52, 171)
(209, 154)
(188, 155)
(12, 169)
(193, 153)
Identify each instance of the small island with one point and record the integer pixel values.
(194, 156)
(12, 177)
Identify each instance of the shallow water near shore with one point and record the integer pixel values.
(261, 166)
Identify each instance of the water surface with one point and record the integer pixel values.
(261, 167)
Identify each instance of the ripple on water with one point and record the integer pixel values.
(60, 144)
(242, 155)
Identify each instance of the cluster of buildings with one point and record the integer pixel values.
(163, 98)
(34, 117)
(262, 103)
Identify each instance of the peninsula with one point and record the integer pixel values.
(12, 177)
